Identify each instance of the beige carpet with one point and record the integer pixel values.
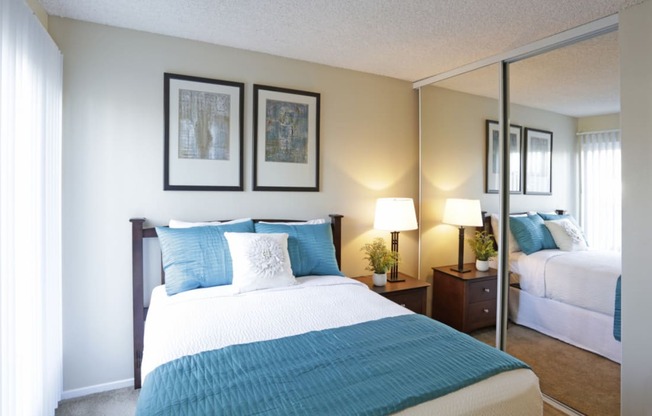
(582, 380)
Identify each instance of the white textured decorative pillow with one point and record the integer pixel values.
(260, 261)
(566, 235)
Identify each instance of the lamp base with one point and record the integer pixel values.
(460, 270)
(398, 279)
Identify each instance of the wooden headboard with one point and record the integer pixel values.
(138, 234)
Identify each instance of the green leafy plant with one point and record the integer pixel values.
(482, 245)
(380, 258)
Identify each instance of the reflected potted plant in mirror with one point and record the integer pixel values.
(380, 260)
(482, 244)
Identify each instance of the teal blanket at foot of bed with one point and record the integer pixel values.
(373, 368)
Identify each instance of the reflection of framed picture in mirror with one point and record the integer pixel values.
(492, 175)
(538, 162)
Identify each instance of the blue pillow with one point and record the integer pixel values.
(527, 234)
(198, 256)
(547, 242)
(310, 247)
(552, 217)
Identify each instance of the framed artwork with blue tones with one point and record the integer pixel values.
(286, 139)
(203, 134)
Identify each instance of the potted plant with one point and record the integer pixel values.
(482, 244)
(380, 259)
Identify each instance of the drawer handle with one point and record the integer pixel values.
(485, 310)
(486, 290)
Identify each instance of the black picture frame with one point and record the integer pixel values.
(286, 139)
(203, 134)
(538, 161)
(492, 165)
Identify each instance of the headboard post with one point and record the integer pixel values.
(336, 225)
(137, 293)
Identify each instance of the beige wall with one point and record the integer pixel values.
(113, 170)
(39, 12)
(598, 123)
(635, 37)
(453, 160)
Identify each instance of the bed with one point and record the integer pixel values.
(324, 344)
(571, 294)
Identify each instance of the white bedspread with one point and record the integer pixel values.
(199, 320)
(581, 278)
(203, 319)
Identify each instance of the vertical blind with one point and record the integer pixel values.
(600, 189)
(31, 69)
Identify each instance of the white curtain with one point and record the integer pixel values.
(31, 69)
(600, 189)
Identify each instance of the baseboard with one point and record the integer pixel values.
(98, 388)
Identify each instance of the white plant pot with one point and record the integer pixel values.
(482, 265)
(380, 279)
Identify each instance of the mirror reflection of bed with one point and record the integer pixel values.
(568, 340)
(564, 319)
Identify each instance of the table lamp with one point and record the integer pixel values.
(395, 215)
(462, 213)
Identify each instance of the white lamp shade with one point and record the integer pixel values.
(395, 214)
(464, 212)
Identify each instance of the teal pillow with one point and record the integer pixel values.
(310, 247)
(552, 217)
(198, 256)
(527, 234)
(547, 242)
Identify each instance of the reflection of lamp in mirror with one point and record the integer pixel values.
(463, 213)
(395, 214)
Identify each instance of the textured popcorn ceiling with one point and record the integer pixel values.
(405, 39)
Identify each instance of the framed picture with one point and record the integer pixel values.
(492, 177)
(203, 134)
(538, 162)
(286, 139)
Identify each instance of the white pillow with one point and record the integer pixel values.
(186, 224)
(315, 221)
(566, 234)
(511, 241)
(260, 261)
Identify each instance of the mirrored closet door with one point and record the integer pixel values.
(568, 343)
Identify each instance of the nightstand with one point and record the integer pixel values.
(465, 301)
(411, 293)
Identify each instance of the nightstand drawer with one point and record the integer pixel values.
(481, 313)
(482, 290)
(413, 300)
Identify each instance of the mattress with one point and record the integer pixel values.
(212, 318)
(586, 279)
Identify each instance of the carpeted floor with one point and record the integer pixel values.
(580, 379)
